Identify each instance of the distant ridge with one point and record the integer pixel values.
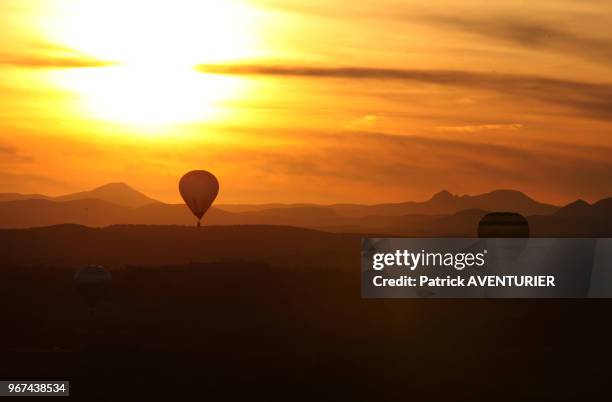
(442, 214)
(442, 202)
(19, 197)
(595, 221)
(114, 193)
(121, 245)
(582, 209)
(576, 208)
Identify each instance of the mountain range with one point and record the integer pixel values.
(443, 214)
(114, 193)
(441, 203)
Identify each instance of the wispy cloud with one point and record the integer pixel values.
(33, 61)
(44, 55)
(348, 162)
(13, 154)
(590, 99)
(363, 122)
(7, 150)
(532, 34)
(480, 127)
(538, 26)
(29, 183)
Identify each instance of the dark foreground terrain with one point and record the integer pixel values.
(274, 313)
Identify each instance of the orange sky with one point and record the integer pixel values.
(320, 101)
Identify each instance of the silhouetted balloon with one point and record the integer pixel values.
(506, 236)
(199, 189)
(503, 224)
(93, 284)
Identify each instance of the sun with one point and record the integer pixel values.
(149, 98)
(154, 46)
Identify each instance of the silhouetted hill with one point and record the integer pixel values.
(75, 245)
(444, 214)
(441, 203)
(304, 216)
(18, 197)
(146, 210)
(447, 203)
(576, 219)
(463, 223)
(580, 208)
(178, 214)
(97, 213)
(397, 224)
(115, 193)
(603, 207)
(238, 208)
(30, 213)
(576, 208)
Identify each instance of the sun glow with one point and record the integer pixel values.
(154, 45)
(138, 96)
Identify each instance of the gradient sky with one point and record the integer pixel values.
(319, 101)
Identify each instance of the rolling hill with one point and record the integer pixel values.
(441, 203)
(582, 209)
(113, 246)
(447, 203)
(114, 193)
(444, 214)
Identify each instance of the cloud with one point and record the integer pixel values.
(480, 127)
(534, 26)
(375, 166)
(533, 35)
(363, 122)
(6, 150)
(29, 183)
(589, 99)
(46, 55)
(543, 168)
(9, 152)
(34, 61)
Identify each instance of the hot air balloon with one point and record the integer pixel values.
(199, 189)
(506, 235)
(503, 224)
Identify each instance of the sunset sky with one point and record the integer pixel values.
(308, 101)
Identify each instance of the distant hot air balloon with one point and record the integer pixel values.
(506, 225)
(199, 189)
(506, 237)
(93, 284)
(503, 224)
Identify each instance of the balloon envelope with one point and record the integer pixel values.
(199, 189)
(503, 224)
